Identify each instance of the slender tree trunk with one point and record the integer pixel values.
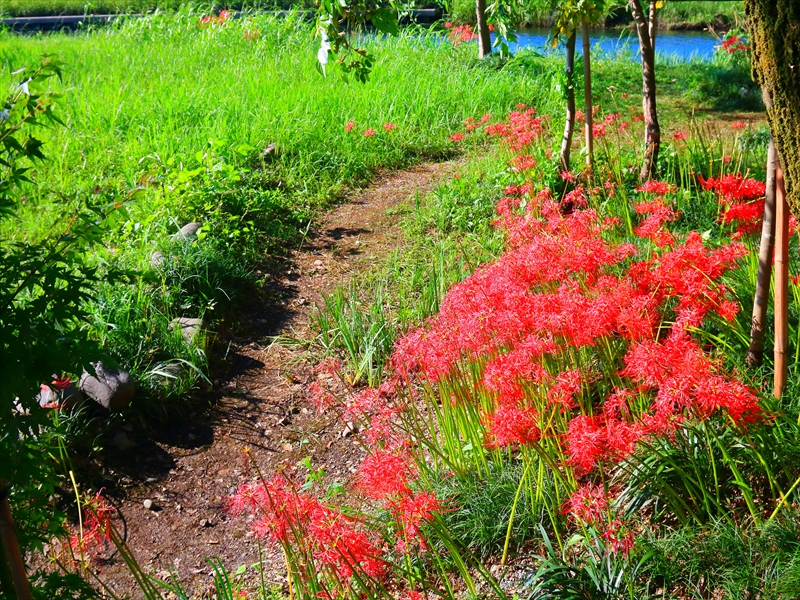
(13, 578)
(775, 40)
(569, 126)
(645, 29)
(781, 282)
(587, 90)
(484, 37)
(755, 353)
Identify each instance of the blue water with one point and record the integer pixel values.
(683, 45)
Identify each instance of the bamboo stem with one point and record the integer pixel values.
(755, 353)
(11, 554)
(587, 89)
(781, 281)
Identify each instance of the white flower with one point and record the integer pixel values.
(23, 87)
(4, 115)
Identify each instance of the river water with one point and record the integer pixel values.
(681, 45)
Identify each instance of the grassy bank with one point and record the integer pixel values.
(671, 515)
(175, 119)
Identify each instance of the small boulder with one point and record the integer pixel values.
(122, 442)
(168, 373)
(188, 231)
(270, 153)
(157, 259)
(112, 388)
(188, 327)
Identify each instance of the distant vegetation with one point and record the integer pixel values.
(537, 12)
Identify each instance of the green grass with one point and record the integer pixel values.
(171, 119)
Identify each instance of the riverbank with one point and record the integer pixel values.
(679, 16)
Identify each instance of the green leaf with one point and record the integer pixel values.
(385, 20)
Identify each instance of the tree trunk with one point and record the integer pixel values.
(781, 282)
(645, 29)
(587, 90)
(775, 39)
(14, 579)
(484, 37)
(569, 126)
(755, 353)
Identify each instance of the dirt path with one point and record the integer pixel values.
(260, 404)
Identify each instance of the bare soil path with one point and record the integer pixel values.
(260, 404)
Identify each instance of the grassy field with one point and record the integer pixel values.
(181, 115)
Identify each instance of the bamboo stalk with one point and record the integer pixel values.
(755, 353)
(587, 90)
(781, 281)
(19, 590)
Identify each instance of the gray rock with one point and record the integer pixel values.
(188, 231)
(270, 153)
(157, 259)
(111, 388)
(149, 504)
(121, 441)
(168, 373)
(189, 328)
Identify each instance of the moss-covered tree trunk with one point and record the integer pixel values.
(775, 37)
(484, 37)
(569, 126)
(645, 30)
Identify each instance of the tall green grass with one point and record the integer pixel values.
(170, 121)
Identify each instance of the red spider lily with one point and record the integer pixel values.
(734, 44)
(457, 137)
(223, 17)
(656, 187)
(680, 135)
(251, 35)
(330, 366)
(511, 425)
(568, 176)
(369, 132)
(389, 126)
(294, 518)
(459, 34)
(653, 226)
(734, 187)
(589, 504)
(385, 473)
(619, 538)
(623, 126)
(523, 162)
(349, 126)
(412, 511)
(95, 539)
(320, 397)
(738, 125)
